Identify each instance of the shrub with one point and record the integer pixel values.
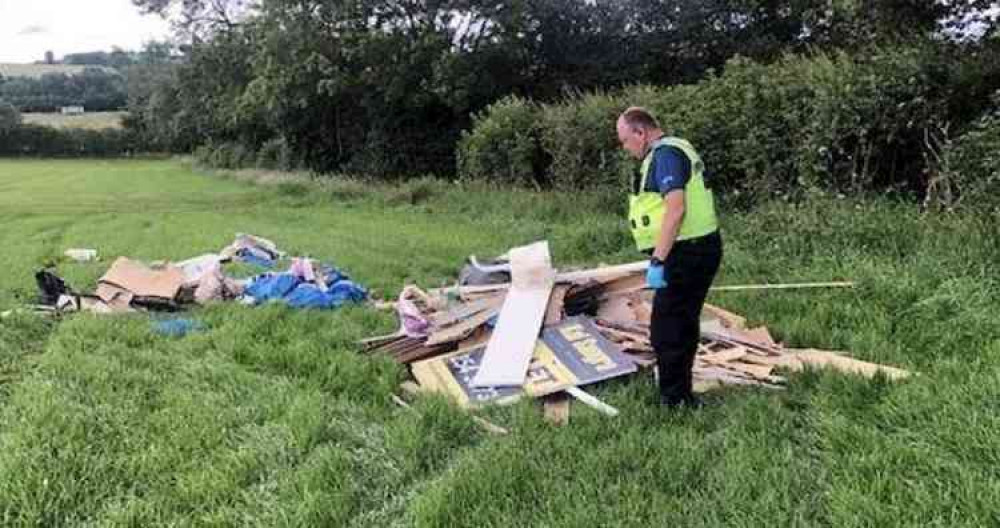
(228, 155)
(503, 145)
(819, 123)
(580, 138)
(276, 154)
(972, 162)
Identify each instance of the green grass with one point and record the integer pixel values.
(268, 418)
(88, 121)
(36, 71)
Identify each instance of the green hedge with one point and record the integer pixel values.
(37, 140)
(971, 164)
(275, 154)
(826, 122)
(503, 146)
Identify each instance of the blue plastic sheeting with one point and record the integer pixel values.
(311, 296)
(177, 327)
(271, 286)
(295, 292)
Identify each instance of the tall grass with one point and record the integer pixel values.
(269, 418)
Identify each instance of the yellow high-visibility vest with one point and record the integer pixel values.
(646, 209)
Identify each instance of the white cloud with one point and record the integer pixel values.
(30, 28)
(33, 29)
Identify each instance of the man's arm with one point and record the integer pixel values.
(671, 223)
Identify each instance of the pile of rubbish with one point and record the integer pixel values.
(130, 285)
(538, 333)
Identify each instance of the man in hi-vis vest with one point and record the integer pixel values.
(672, 217)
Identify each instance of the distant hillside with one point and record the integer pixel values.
(35, 71)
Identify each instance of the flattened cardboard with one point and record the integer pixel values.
(143, 281)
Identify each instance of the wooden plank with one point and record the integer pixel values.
(419, 354)
(824, 358)
(790, 286)
(724, 356)
(770, 361)
(622, 336)
(489, 427)
(625, 285)
(761, 335)
(713, 329)
(591, 401)
(605, 273)
(466, 310)
(513, 342)
(624, 326)
(555, 408)
(726, 376)
(758, 371)
(554, 311)
(729, 319)
(463, 329)
(375, 341)
(479, 337)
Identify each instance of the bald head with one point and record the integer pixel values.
(637, 117)
(637, 128)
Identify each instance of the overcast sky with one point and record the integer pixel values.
(28, 28)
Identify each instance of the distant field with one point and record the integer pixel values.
(37, 70)
(90, 120)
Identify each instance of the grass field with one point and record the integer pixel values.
(268, 418)
(89, 120)
(38, 70)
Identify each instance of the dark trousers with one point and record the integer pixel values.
(674, 329)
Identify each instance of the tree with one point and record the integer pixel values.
(200, 19)
(10, 118)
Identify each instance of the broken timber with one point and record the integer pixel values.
(572, 311)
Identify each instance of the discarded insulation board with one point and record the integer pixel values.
(570, 354)
(508, 354)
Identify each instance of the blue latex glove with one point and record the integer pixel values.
(656, 276)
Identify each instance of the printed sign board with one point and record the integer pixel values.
(571, 353)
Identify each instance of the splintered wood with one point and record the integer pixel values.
(539, 336)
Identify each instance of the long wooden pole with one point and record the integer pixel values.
(792, 286)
